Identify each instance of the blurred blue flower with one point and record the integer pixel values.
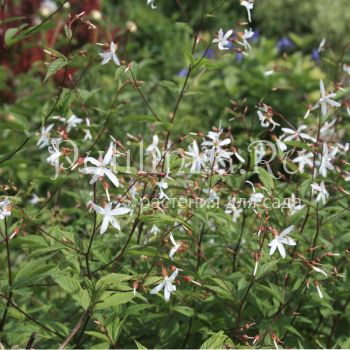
(285, 45)
(209, 54)
(182, 73)
(239, 57)
(256, 36)
(315, 55)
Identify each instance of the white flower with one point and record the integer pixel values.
(154, 150)
(296, 135)
(256, 197)
(44, 139)
(151, 3)
(198, 159)
(281, 145)
(72, 122)
(155, 230)
(162, 185)
(294, 204)
(109, 215)
(317, 269)
(239, 157)
(110, 54)
(5, 208)
(303, 159)
(175, 248)
(269, 72)
(325, 100)
(100, 167)
(245, 36)
(55, 155)
(322, 192)
(327, 129)
(346, 68)
(322, 44)
(232, 209)
(222, 39)
(266, 118)
(248, 4)
(34, 200)
(281, 239)
(216, 152)
(319, 291)
(87, 131)
(47, 7)
(153, 147)
(167, 284)
(325, 160)
(212, 195)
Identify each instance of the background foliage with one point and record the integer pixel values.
(63, 277)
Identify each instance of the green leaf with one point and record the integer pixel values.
(115, 299)
(112, 280)
(139, 345)
(170, 86)
(217, 341)
(19, 122)
(266, 178)
(55, 66)
(32, 272)
(11, 33)
(98, 336)
(184, 310)
(69, 284)
(264, 268)
(119, 73)
(139, 118)
(146, 251)
(161, 218)
(55, 53)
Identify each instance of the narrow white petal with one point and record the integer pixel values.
(158, 288)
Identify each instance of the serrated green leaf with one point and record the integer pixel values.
(55, 66)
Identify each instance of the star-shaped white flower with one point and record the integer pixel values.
(100, 168)
(216, 152)
(55, 155)
(72, 122)
(198, 159)
(326, 159)
(325, 100)
(5, 208)
(322, 192)
(222, 39)
(167, 284)
(296, 135)
(109, 215)
(175, 248)
(245, 36)
(44, 139)
(278, 241)
(304, 158)
(110, 54)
